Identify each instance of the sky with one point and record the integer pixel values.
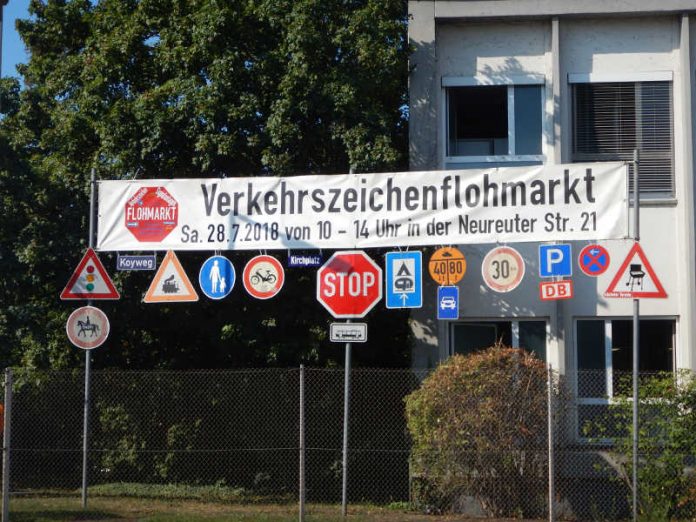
(13, 51)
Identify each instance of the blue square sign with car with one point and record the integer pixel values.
(448, 302)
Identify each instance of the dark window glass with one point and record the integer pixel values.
(528, 119)
(478, 121)
(611, 120)
(591, 359)
(533, 337)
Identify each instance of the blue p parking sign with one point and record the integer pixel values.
(555, 261)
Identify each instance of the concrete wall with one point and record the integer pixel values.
(453, 44)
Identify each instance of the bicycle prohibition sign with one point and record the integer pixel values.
(263, 277)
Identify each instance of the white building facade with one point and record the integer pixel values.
(522, 82)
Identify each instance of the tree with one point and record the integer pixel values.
(191, 88)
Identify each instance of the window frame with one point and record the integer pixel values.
(608, 368)
(510, 82)
(608, 360)
(633, 78)
(514, 330)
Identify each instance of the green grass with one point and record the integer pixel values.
(132, 509)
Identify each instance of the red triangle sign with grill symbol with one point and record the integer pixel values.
(90, 281)
(635, 278)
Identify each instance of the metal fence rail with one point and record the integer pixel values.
(234, 436)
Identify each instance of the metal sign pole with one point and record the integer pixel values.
(7, 434)
(88, 359)
(552, 490)
(636, 334)
(302, 443)
(346, 411)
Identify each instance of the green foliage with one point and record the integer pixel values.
(479, 429)
(188, 88)
(666, 443)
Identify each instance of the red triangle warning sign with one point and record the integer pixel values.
(90, 281)
(171, 284)
(635, 278)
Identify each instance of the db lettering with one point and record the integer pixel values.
(556, 290)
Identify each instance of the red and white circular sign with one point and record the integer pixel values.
(263, 277)
(87, 327)
(151, 214)
(594, 260)
(502, 269)
(349, 284)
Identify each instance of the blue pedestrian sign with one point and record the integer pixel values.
(217, 277)
(555, 261)
(404, 279)
(447, 302)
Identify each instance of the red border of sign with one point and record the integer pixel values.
(67, 293)
(516, 282)
(380, 283)
(102, 336)
(246, 277)
(565, 282)
(660, 290)
(582, 266)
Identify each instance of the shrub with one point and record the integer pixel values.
(479, 430)
(666, 444)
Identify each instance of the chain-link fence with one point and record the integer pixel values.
(234, 436)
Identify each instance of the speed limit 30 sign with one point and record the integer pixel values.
(503, 269)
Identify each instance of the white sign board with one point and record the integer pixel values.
(502, 205)
(348, 332)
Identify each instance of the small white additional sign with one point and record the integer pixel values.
(348, 332)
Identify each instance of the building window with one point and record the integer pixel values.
(470, 337)
(604, 350)
(611, 120)
(494, 122)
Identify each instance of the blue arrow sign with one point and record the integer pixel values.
(447, 302)
(404, 279)
(216, 277)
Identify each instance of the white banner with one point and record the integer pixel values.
(504, 205)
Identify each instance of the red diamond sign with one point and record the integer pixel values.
(349, 284)
(151, 214)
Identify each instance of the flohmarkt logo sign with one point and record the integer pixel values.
(515, 204)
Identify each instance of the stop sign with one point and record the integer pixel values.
(151, 214)
(349, 284)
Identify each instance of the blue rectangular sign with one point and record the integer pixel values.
(295, 260)
(555, 261)
(147, 262)
(404, 279)
(447, 302)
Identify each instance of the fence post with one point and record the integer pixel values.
(302, 443)
(552, 489)
(7, 432)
